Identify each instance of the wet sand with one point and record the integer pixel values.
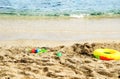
(60, 29)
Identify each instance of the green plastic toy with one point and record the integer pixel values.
(59, 54)
(43, 50)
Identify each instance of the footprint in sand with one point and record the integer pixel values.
(105, 72)
(45, 69)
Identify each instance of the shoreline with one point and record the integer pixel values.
(30, 17)
(59, 29)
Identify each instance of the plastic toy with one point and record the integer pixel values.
(107, 54)
(37, 50)
(28, 50)
(33, 50)
(59, 54)
(43, 50)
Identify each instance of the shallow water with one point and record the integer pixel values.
(60, 7)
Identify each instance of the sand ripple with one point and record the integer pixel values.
(77, 62)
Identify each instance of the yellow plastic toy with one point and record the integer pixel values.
(107, 54)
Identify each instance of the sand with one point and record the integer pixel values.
(60, 29)
(75, 38)
(77, 60)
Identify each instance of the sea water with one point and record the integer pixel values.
(60, 7)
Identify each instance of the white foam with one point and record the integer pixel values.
(79, 16)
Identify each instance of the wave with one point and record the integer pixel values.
(74, 14)
(11, 12)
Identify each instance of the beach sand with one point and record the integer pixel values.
(77, 60)
(75, 38)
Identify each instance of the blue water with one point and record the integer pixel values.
(60, 7)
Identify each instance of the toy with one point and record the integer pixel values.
(38, 50)
(107, 54)
(33, 50)
(28, 50)
(43, 50)
(59, 54)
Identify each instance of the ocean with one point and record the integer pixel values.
(72, 8)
